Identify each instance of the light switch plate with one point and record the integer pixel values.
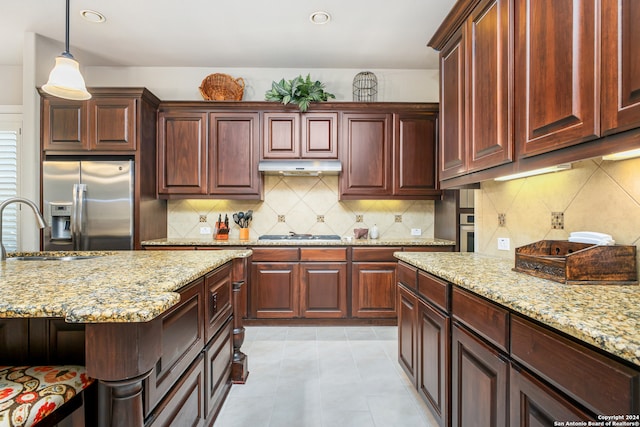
(503, 243)
(205, 230)
(416, 232)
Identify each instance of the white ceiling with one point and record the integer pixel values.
(375, 34)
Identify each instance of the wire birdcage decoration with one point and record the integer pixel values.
(365, 87)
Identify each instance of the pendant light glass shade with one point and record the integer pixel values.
(65, 80)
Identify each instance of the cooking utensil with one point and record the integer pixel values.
(248, 217)
(236, 219)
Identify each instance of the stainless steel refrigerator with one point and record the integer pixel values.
(88, 205)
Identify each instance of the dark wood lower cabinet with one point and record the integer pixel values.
(184, 405)
(324, 290)
(218, 356)
(479, 380)
(407, 331)
(433, 360)
(274, 290)
(373, 289)
(532, 403)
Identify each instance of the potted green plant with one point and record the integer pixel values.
(299, 91)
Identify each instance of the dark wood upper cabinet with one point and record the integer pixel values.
(234, 140)
(556, 71)
(108, 122)
(182, 153)
(366, 155)
(489, 121)
(414, 154)
(64, 124)
(476, 119)
(292, 135)
(453, 146)
(620, 65)
(112, 124)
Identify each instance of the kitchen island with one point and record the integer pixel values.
(545, 350)
(125, 306)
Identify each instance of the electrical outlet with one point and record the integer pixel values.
(503, 243)
(416, 232)
(205, 230)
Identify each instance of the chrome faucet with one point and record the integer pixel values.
(41, 222)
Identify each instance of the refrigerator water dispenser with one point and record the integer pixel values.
(60, 221)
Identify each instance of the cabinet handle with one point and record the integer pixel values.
(214, 304)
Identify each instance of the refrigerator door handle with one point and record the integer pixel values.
(78, 217)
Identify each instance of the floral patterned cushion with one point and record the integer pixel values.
(30, 393)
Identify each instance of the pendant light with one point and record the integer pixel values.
(65, 80)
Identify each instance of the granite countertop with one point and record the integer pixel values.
(606, 316)
(120, 286)
(256, 242)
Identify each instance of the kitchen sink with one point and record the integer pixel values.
(52, 258)
(295, 237)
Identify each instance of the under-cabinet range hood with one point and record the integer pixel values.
(300, 167)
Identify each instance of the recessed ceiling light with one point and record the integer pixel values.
(92, 16)
(320, 17)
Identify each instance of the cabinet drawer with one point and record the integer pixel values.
(276, 254)
(485, 318)
(434, 290)
(601, 384)
(323, 254)
(408, 275)
(183, 405)
(374, 254)
(218, 299)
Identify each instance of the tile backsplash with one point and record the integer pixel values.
(595, 195)
(303, 205)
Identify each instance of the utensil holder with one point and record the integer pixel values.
(244, 234)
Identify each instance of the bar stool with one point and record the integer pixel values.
(43, 396)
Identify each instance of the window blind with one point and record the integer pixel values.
(9, 187)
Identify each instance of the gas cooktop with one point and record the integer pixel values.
(294, 236)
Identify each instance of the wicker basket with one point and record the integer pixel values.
(222, 87)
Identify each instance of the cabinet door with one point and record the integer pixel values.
(234, 155)
(433, 374)
(415, 155)
(407, 332)
(366, 155)
(373, 287)
(275, 290)
(620, 65)
(478, 382)
(489, 116)
(281, 136)
(324, 290)
(14, 340)
(112, 123)
(319, 136)
(182, 153)
(453, 149)
(534, 404)
(64, 125)
(218, 357)
(182, 341)
(556, 65)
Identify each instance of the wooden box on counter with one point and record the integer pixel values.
(578, 263)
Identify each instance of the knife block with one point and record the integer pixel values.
(221, 232)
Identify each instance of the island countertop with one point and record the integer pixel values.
(121, 286)
(605, 316)
(255, 242)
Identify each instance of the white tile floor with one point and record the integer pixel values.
(323, 377)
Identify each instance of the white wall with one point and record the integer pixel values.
(10, 85)
(171, 83)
